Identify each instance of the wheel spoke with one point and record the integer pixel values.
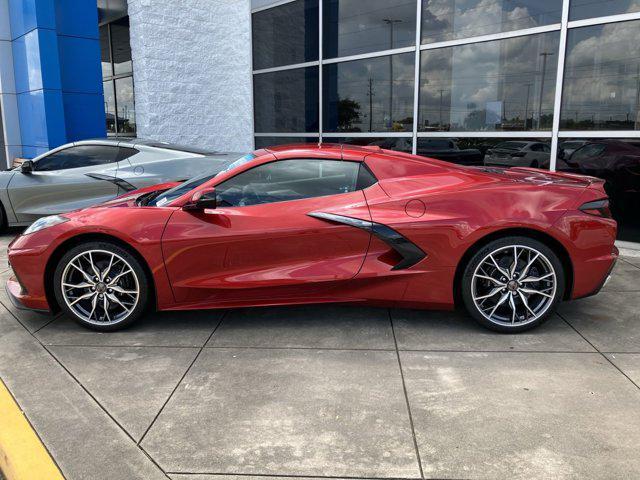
(105, 307)
(525, 270)
(500, 269)
(512, 304)
(94, 303)
(515, 262)
(525, 301)
(82, 297)
(115, 279)
(115, 299)
(79, 285)
(106, 271)
(118, 289)
(530, 291)
(500, 302)
(86, 276)
(491, 279)
(489, 295)
(537, 279)
(93, 267)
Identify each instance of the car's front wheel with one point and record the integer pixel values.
(101, 285)
(512, 284)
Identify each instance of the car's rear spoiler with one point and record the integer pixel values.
(585, 180)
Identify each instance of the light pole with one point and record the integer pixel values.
(526, 106)
(544, 56)
(391, 22)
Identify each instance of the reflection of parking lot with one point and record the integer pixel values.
(327, 391)
(616, 161)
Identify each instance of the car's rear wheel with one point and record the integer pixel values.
(512, 284)
(101, 286)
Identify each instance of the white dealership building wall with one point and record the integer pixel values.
(192, 72)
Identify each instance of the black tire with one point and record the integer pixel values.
(3, 219)
(103, 249)
(540, 311)
(535, 164)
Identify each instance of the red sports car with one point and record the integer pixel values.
(315, 224)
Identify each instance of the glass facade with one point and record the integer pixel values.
(444, 20)
(117, 73)
(501, 85)
(475, 82)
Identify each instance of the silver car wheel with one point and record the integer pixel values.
(100, 287)
(513, 285)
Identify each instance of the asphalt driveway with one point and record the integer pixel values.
(326, 391)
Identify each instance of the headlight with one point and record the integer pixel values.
(45, 222)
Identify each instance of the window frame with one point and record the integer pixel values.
(112, 80)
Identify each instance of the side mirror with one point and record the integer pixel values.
(201, 200)
(27, 166)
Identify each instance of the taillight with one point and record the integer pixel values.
(599, 208)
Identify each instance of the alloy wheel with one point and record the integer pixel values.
(100, 287)
(514, 285)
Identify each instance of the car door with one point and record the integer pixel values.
(260, 244)
(67, 179)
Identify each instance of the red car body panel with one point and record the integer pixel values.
(275, 253)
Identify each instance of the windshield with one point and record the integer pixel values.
(179, 190)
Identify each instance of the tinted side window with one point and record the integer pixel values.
(365, 177)
(126, 152)
(76, 157)
(288, 180)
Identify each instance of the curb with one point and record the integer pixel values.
(22, 455)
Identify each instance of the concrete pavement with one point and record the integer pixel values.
(326, 391)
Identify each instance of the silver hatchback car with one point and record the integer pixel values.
(88, 172)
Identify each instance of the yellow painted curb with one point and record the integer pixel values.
(22, 454)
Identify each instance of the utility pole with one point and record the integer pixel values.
(526, 106)
(370, 95)
(544, 56)
(441, 91)
(391, 22)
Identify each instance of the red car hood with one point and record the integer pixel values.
(128, 199)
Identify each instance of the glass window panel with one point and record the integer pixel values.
(602, 78)
(264, 142)
(400, 144)
(500, 85)
(288, 180)
(580, 9)
(286, 34)
(352, 27)
(78, 157)
(453, 19)
(618, 162)
(126, 106)
(105, 52)
(109, 106)
(502, 152)
(286, 101)
(121, 46)
(358, 96)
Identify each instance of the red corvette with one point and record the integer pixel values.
(313, 224)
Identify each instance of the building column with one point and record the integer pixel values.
(10, 140)
(56, 68)
(192, 72)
